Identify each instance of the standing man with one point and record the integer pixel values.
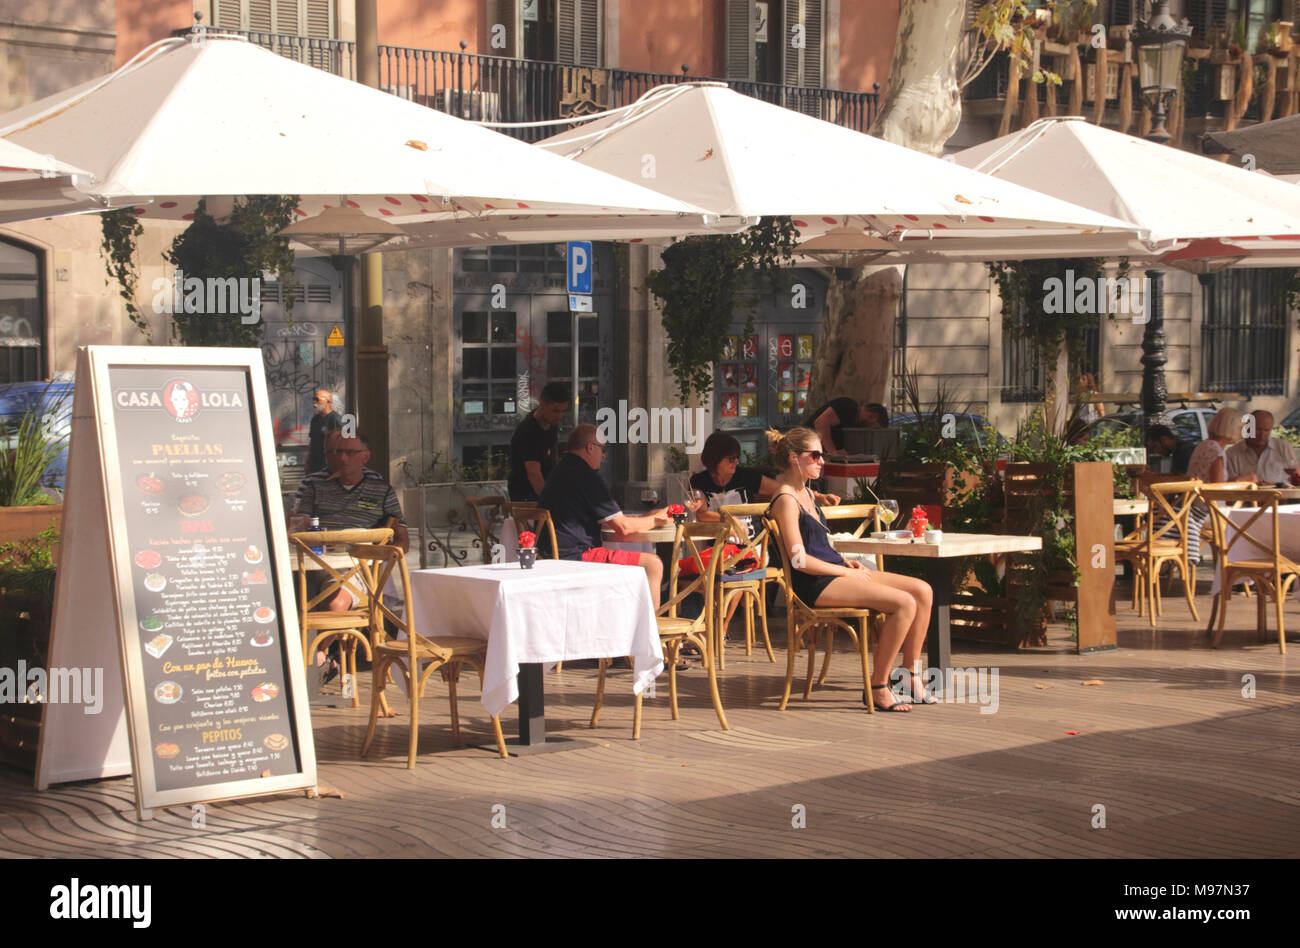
(580, 505)
(532, 446)
(325, 420)
(1271, 459)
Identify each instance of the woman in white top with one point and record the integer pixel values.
(1209, 464)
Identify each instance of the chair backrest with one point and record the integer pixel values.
(1229, 530)
(334, 579)
(749, 544)
(1143, 482)
(377, 565)
(538, 521)
(489, 512)
(1170, 508)
(690, 542)
(793, 603)
(868, 513)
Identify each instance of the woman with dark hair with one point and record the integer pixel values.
(821, 577)
(722, 473)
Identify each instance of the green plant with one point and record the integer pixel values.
(119, 232)
(677, 461)
(1291, 435)
(701, 284)
(28, 565)
(28, 446)
(760, 460)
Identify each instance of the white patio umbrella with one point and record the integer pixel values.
(735, 155)
(219, 116)
(1197, 208)
(33, 185)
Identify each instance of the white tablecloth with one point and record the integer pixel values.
(558, 611)
(1288, 539)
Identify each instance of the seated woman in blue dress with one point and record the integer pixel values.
(821, 577)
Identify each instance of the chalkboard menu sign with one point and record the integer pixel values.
(206, 623)
(210, 643)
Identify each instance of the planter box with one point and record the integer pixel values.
(22, 523)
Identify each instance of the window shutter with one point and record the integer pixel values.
(260, 19)
(510, 14)
(286, 17)
(813, 72)
(227, 14)
(791, 58)
(319, 17)
(968, 20)
(742, 21)
(1205, 15)
(802, 66)
(589, 24)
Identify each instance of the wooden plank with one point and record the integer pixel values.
(1094, 521)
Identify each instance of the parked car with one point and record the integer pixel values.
(55, 398)
(972, 430)
(1190, 424)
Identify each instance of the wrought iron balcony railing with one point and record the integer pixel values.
(499, 89)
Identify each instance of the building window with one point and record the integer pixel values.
(779, 41)
(1022, 375)
(1243, 332)
(22, 315)
(295, 17)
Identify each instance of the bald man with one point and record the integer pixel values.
(1270, 459)
(323, 423)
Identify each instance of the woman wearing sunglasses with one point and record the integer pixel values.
(722, 474)
(821, 577)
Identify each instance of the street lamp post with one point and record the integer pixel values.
(1159, 44)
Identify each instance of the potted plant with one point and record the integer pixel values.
(26, 596)
(29, 446)
(527, 549)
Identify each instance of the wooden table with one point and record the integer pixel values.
(938, 564)
(1124, 508)
(665, 534)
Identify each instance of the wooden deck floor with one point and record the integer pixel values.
(1183, 763)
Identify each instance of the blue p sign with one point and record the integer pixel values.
(580, 266)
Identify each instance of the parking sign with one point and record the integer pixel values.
(580, 266)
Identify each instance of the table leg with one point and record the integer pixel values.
(532, 737)
(939, 574)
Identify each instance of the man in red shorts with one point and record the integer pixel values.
(580, 506)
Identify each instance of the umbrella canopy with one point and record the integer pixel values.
(215, 115)
(1275, 145)
(735, 155)
(1177, 196)
(33, 185)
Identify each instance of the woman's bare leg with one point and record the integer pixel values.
(899, 608)
(914, 642)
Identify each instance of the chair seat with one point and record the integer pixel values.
(750, 576)
(671, 626)
(319, 621)
(836, 612)
(1262, 566)
(457, 646)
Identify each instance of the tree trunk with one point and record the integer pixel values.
(921, 110)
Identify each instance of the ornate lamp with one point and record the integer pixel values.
(1160, 43)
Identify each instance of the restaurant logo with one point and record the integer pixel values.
(75, 900)
(181, 399)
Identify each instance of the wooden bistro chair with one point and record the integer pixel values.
(535, 520)
(869, 514)
(749, 586)
(1162, 538)
(404, 656)
(489, 511)
(316, 621)
(674, 630)
(1262, 560)
(1208, 537)
(806, 623)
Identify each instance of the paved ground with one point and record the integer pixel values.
(1183, 763)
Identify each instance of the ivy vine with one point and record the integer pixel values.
(701, 285)
(244, 247)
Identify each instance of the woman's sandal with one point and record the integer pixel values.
(924, 697)
(896, 706)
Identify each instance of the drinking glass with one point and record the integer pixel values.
(888, 512)
(695, 501)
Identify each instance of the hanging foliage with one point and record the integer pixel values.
(701, 285)
(207, 309)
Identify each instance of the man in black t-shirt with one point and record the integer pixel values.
(831, 419)
(323, 424)
(581, 506)
(532, 446)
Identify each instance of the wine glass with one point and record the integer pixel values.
(695, 501)
(888, 512)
